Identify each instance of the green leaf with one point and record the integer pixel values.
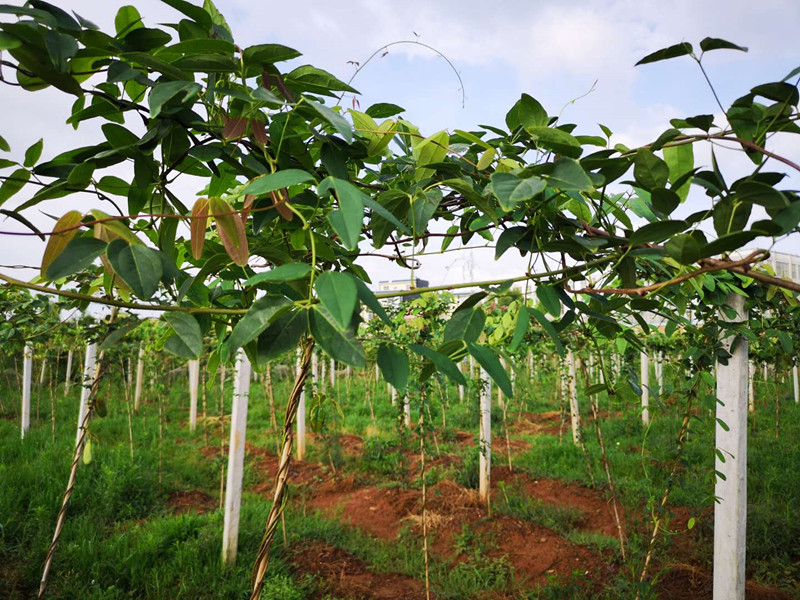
(317, 81)
(382, 212)
(510, 190)
(368, 299)
(127, 19)
(383, 110)
(4, 145)
(195, 13)
(262, 313)
(187, 340)
(728, 243)
(684, 248)
(788, 218)
(527, 112)
(430, 151)
(282, 335)
(164, 92)
(551, 331)
(656, 232)
(15, 182)
(520, 328)
(664, 201)
(568, 175)
(340, 345)
(274, 181)
(340, 124)
(78, 255)
(491, 364)
(117, 334)
(339, 295)
(442, 362)
(423, 207)
(287, 272)
(709, 43)
(596, 389)
(681, 49)
(556, 140)
(33, 153)
(548, 296)
(680, 160)
(649, 170)
(466, 325)
(779, 91)
(393, 363)
(9, 42)
(268, 54)
(348, 219)
(138, 266)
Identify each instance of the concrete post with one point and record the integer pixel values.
(751, 395)
(233, 487)
(69, 373)
(89, 374)
(137, 394)
(485, 462)
(574, 409)
(27, 368)
(730, 513)
(194, 384)
(333, 374)
(795, 383)
(407, 410)
(644, 382)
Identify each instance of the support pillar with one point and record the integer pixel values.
(730, 512)
(485, 466)
(574, 409)
(194, 384)
(644, 382)
(89, 374)
(137, 395)
(301, 410)
(27, 368)
(69, 373)
(233, 488)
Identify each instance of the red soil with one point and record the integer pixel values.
(197, 501)
(346, 576)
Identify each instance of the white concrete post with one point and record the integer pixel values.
(751, 392)
(69, 373)
(407, 410)
(194, 384)
(394, 395)
(574, 409)
(485, 462)
(137, 395)
(730, 512)
(461, 387)
(44, 370)
(301, 411)
(27, 368)
(795, 384)
(89, 374)
(644, 382)
(660, 372)
(333, 374)
(233, 487)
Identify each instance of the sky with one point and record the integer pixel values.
(577, 58)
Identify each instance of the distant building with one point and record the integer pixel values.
(402, 285)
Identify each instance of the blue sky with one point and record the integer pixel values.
(555, 51)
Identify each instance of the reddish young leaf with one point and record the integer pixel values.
(234, 128)
(230, 228)
(281, 199)
(198, 226)
(259, 132)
